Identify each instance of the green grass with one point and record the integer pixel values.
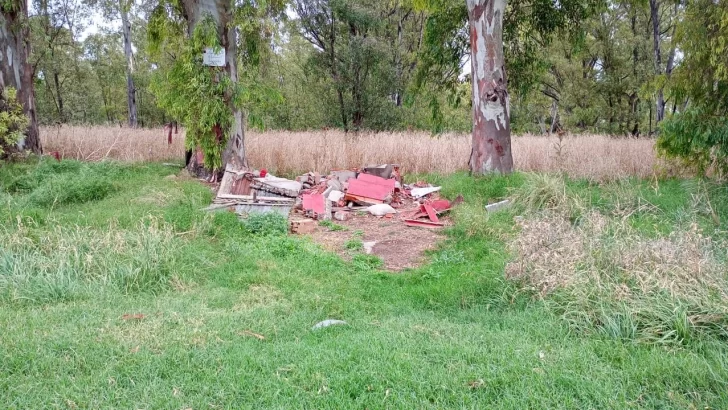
(453, 333)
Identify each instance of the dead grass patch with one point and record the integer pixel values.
(398, 246)
(601, 273)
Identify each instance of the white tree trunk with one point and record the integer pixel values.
(655, 17)
(130, 90)
(491, 149)
(15, 71)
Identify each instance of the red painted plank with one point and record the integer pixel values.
(358, 187)
(373, 179)
(440, 205)
(431, 213)
(423, 224)
(314, 202)
(362, 199)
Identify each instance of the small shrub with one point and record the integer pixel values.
(281, 246)
(227, 222)
(354, 244)
(542, 191)
(604, 276)
(182, 216)
(364, 262)
(269, 223)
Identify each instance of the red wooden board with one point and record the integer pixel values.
(361, 188)
(377, 180)
(431, 213)
(314, 202)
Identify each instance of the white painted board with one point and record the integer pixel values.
(211, 58)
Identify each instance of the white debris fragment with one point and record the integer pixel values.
(335, 196)
(381, 210)
(498, 206)
(369, 246)
(327, 323)
(420, 192)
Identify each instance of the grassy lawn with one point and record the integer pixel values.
(225, 310)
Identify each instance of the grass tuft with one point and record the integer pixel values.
(69, 263)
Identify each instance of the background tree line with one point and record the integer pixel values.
(354, 65)
(622, 68)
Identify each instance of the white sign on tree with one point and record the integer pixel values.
(211, 58)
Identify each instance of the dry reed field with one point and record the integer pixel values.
(592, 156)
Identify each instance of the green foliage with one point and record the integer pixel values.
(13, 121)
(698, 138)
(266, 224)
(528, 27)
(699, 134)
(71, 189)
(331, 226)
(583, 65)
(72, 263)
(354, 244)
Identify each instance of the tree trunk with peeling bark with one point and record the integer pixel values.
(130, 90)
(16, 70)
(655, 17)
(221, 12)
(491, 149)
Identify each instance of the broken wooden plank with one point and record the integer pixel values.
(362, 199)
(363, 189)
(423, 224)
(431, 213)
(498, 206)
(257, 198)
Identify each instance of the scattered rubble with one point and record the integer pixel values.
(357, 195)
(303, 226)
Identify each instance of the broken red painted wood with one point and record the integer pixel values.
(423, 224)
(376, 180)
(361, 199)
(315, 203)
(440, 205)
(369, 189)
(430, 211)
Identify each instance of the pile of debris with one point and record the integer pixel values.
(340, 195)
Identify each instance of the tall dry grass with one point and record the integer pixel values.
(602, 272)
(95, 143)
(591, 156)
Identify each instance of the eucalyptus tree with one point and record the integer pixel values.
(196, 44)
(15, 69)
(479, 29)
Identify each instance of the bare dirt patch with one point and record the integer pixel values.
(399, 246)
